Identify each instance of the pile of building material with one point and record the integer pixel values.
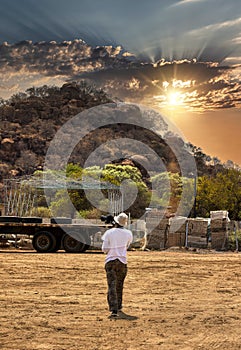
(138, 229)
(197, 233)
(20, 242)
(25, 243)
(96, 241)
(177, 232)
(219, 229)
(157, 229)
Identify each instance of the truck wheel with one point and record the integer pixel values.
(71, 245)
(44, 242)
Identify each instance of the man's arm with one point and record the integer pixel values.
(105, 245)
(130, 240)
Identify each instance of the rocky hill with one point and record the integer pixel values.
(29, 121)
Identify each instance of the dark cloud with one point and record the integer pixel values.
(194, 84)
(198, 85)
(53, 58)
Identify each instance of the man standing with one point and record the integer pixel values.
(115, 243)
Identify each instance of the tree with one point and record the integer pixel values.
(74, 171)
(168, 188)
(61, 205)
(2, 102)
(135, 189)
(222, 192)
(15, 98)
(113, 174)
(117, 173)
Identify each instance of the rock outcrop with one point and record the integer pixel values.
(29, 121)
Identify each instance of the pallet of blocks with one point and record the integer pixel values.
(138, 229)
(197, 233)
(219, 230)
(177, 232)
(157, 227)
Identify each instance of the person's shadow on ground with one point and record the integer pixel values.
(123, 316)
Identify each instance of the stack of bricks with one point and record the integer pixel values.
(157, 227)
(219, 229)
(177, 232)
(197, 233)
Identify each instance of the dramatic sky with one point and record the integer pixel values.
(182, 57)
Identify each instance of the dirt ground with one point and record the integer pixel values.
(172, 300)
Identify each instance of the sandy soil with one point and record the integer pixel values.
(172, 300)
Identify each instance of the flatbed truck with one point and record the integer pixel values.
(57, 233)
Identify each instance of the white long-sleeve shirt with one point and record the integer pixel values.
(115, 243)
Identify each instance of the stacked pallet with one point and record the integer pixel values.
(96, 236)
(96, 240)
(219, 229)
(156, 227)
(197, 233)
(139, 239)
(138, 229)
(153, 218)
(219, 214)
(177, 232)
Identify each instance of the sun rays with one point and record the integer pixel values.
(176, 93)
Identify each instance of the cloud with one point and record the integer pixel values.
(190, 83)
(186, 2)
(194, 85)
(25, 62)
(67, 57)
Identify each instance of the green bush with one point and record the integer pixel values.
(90, 214)
(42, 212)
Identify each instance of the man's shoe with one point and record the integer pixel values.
(114, 314)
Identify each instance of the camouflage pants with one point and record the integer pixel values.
(115, 272)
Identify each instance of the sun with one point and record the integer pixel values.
(176, 94)
(175, 98)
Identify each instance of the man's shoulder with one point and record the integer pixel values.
(128, 231)
(118, 230)
(110, 230)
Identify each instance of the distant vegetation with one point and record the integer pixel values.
(220, 192)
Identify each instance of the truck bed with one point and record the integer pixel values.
(50, 236)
